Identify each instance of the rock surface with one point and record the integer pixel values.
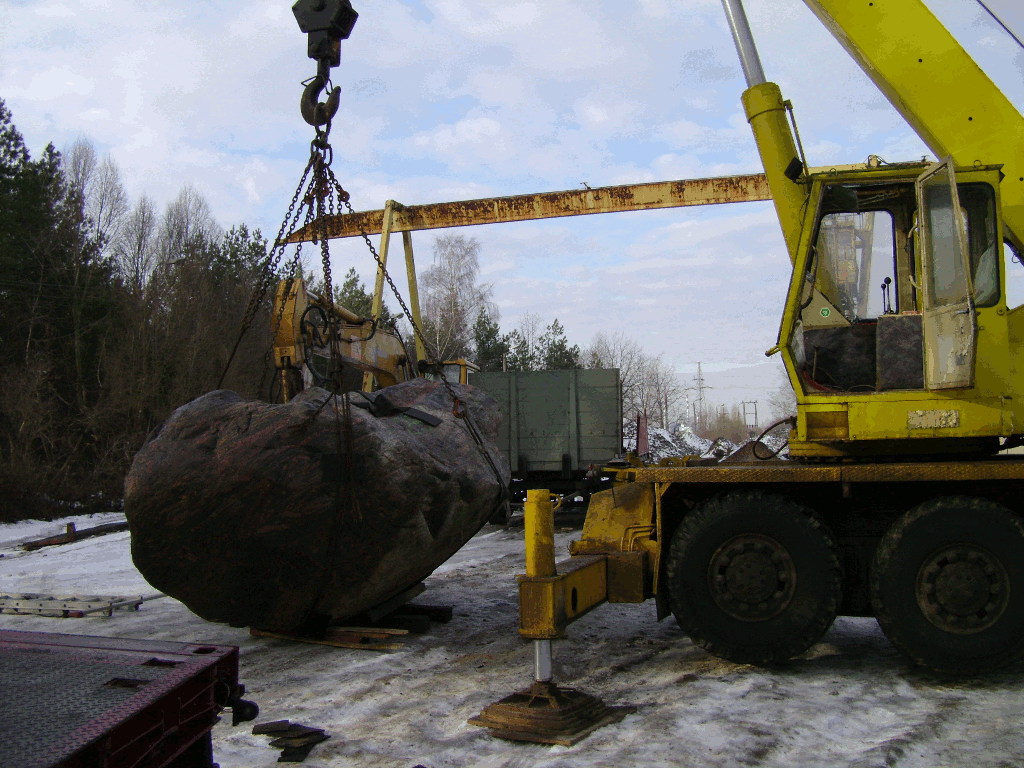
(258, 515)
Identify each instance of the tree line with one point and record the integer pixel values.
(113, 314)
(461, 320)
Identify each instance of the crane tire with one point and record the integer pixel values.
(753, 578)
(947, 585)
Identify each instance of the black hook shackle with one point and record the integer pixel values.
(326, 23)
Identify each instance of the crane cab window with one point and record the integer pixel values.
(1014, 275)
(856, 255)
(978, 206)
(851, 283)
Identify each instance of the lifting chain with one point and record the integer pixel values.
(323, 198)
(458, 409)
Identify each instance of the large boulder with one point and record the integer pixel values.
(261, 515)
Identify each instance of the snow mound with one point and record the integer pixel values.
(663, 444)
(685, 442)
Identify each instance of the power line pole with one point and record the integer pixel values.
(750, 416)
(698, 403)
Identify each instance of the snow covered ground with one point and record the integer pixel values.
(850, 701)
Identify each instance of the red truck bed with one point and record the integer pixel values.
(73, 700)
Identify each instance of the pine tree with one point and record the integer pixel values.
(353, 296)
(555, 352)
(491, 348)
(519, 357)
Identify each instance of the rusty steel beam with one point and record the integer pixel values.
(548, 205)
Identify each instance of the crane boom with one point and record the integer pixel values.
(938, 88)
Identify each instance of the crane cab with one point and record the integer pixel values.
(896, 334)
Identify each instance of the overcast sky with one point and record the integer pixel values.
(456, 99)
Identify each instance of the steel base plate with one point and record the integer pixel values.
(547, 714)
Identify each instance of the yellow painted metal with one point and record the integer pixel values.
(794, 297)
(1009, 468)
(629, 577)
(539, 524)
(994, 406)
(552, 596)
(287, 340)
(385, 242)
(545, 205)
(378, 353)
(548, 604)
(659, 491)
(465, 368)
(938, 88)
(766, 113)
(762, 472)
(618, 520)
(414, 294)
(378, 286)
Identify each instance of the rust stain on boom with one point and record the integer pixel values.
(548, 205)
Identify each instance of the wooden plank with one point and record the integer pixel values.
(72, 535)
(69, 607)
(388, 606)
(367, 640)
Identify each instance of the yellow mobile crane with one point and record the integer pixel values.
(907, 367)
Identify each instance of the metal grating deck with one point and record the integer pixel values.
(76, 700)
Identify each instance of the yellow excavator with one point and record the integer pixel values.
(898, 500)
(371, 352)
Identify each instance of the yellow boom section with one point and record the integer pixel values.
(938, 88)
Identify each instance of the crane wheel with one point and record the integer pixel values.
(947, 585)
(753, 578)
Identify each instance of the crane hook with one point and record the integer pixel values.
(318, 113)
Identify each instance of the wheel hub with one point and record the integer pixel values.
(962, 589)
(752, 577)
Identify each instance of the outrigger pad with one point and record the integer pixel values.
(547, 714)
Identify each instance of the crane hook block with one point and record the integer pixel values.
(326, 23)
(319, 113)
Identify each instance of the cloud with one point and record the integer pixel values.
(54, 11)
(473, 130)
(459, 99)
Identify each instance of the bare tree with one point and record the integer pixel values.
(186, 219)
(782, 401)
(452, 297)
(106, 203)
(79, 164)
(529, 329)
(649, 384)
(725, 422)
(98, 188)
(135, 251)
(622, 352)
(662, 391)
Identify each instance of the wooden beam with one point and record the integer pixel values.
(547, 205)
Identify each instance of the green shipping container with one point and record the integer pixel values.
(556, 421)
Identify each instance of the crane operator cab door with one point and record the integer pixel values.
(948, 318)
